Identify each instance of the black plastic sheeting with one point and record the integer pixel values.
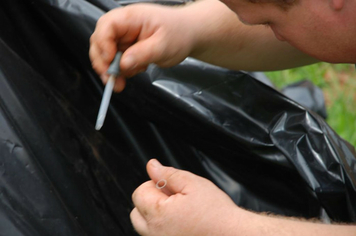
(308, 95)
(58, 176)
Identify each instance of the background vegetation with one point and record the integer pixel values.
(338, 82)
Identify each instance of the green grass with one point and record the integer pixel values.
(338, 82)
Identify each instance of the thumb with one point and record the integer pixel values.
(142, 53)
(178, 181)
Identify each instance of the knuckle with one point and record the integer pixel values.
(156, 224)
(128, 11)
(101, 20)
(158, 205)
(97, 66)
(135, 195)
(93, 38)
(132, 214)
(171, 171)
(181, 175)
(100, 44)
(175, 174)
(126, 15)
(94, 64)
(92, 51)
(138, 194)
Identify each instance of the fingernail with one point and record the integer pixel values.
(155, 163)
(129, 62)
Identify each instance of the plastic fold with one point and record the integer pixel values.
(61, 177)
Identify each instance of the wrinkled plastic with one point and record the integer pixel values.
(308, 95)
(61, 177)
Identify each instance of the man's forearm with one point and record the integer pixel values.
(257, 224)
(223, 40)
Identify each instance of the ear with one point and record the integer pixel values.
(337, 5)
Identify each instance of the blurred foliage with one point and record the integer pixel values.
(338, 82)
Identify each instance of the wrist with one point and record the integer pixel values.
(236, 221)
(246, 223)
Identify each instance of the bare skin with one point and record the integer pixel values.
(183, 207)
(322, 29)
(191, 205)
(207, 30)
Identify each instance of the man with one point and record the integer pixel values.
(275, 34)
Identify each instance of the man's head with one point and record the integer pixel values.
(325, 29)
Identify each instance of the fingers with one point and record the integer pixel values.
(113, 32)
(138, 222)
(142, 53)
(178, 181)
(145, 33)
(120, 84)
(117, 30)
(194, 207)
(148, 199)
(96, 61)
(102, 50)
